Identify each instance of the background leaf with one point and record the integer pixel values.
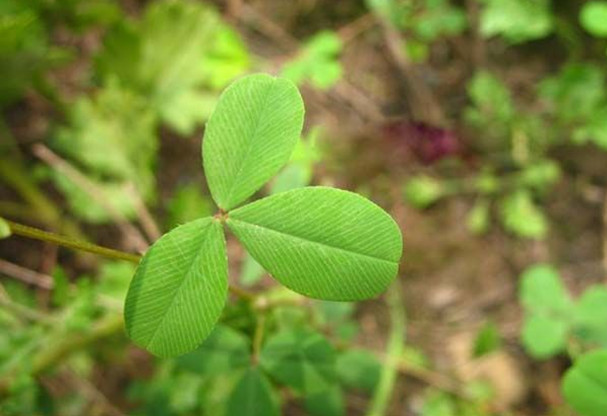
(321, 242)
(252, 396)
(585, 384)
(250, 136)
(300, 359)
(521, 216)
(548, 310)
(173, 57)
(225, 350)
(593, 18)
(179, 289)
(358, 369)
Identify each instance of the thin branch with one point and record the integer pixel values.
(146, 219)
(28, 276)
(37, 234)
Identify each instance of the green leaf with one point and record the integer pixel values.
(359, 369)
(250, 136)
(300, 359)
(492, 101)
(541, 291)
(575, 93)
(585, 384)
(516, 20)
(321, 242)
(225, 350)
(478, 220)
(318, 62)
(521, 216)
(326, 402)
(487, 340)
(179, 289)
(548, 310)
(593, 18)
(112, 136)
(591, 316)
(252, 396)
(544, 337)
(173, 56)
(422, 191)
(439, 403)
(5, 230)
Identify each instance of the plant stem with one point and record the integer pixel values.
(394, 350)
(37, 234)
(258, 337)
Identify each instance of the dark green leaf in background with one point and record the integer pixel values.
(300, 359)
(252, 396)
(358, 369)
(223, 351)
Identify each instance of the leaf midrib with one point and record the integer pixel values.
(250, 145)
(357, 253)
(187, 277)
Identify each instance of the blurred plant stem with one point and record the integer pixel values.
(37, 234)
(394, 350)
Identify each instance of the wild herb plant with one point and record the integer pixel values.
(554, 324)
(321, 242)
(318, 62)
(165, 68)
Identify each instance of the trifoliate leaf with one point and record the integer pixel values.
(585, 384)
(321, 242)
(250, 136)
(179, 289)
(300, 359)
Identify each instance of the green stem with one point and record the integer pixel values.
(258, 337)
(394, 350)
(35, 233)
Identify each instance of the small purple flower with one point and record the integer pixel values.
(428, 143)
